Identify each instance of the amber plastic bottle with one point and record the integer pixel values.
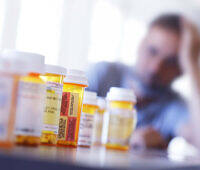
(89, 110)
(71, 107)
(53, 78)
(30, 100)
(10, 72)
(122, 118)
(99, 117)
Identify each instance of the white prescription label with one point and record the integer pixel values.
(30, 109)
(86, 129)
(52, 107)
(6, 86)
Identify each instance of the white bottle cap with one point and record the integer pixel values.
(30, 62)
(101, 102)
(90, 98)
(121, 94)
(12, 66)
(53, 69)
(76, 77)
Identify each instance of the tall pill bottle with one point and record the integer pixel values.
(98, 125)
(53, 77)
(10, 72)
(71, 106)
(30, 98)
(89, 110)
(122, 117)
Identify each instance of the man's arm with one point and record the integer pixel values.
(175, 115)
(189, 59)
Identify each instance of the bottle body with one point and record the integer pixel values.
(8, 99)
(86, 128)
(71, 106)
(29, 111)
(98, 126)
(121, 124)
(54, 85)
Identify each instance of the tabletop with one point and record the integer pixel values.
(58, 158)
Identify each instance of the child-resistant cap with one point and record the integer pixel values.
(121, 94)
(90, 98)
(76, 77)
(53, 69)
(11, 66)
(30, 62)
(101, 102)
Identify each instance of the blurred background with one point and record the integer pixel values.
(75, 33)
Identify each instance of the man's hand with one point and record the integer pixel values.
(190, 46)
(148, 138)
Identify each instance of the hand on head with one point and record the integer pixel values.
(190, 45)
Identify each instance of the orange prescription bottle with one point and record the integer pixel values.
(122, 117)
(71, 106)
(89, 110)
(101, 102)
(30, 99)
(10, 72)
(53, 77)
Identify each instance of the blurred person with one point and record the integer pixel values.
(161, 111)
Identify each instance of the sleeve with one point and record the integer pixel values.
(96, 76)
(175, 116)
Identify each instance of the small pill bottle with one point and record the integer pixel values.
(30, 98)
(53, 77)
(71, 106)
(10, 72)
(122, 117)
(89, 110)
(101, 102)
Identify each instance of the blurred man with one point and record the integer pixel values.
(161, 111)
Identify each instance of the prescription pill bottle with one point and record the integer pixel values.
(10, 72)
(89, 110)
(53, 78)
(98, 125)
(71, 106)
(122, 117)
(30, 98)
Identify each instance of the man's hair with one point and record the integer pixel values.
(171, 22)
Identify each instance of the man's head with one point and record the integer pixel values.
(157, 64)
